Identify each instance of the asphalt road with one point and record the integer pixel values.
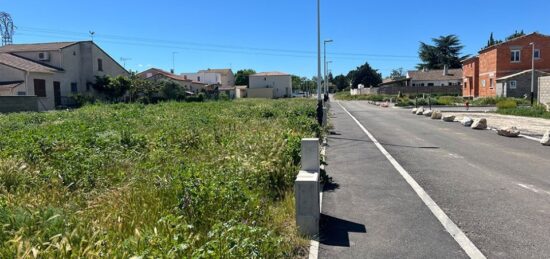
(495, 189)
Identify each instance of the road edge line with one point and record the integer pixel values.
(465, 243)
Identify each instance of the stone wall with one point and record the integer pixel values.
(544, 90)
(18, 104)
(440, 90)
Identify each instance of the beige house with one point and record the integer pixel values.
(156, 74)
(226, 79)
(54, 71)
(270, 85)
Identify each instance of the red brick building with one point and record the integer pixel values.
(510, 57)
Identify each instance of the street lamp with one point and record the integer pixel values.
(325, 61)
(532, 73)
(319, 99)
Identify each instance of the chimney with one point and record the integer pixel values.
(445, 70)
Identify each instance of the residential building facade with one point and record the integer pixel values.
(224, 77)
(54, 71)
(482, 72)
(270, 85)
(436, 77)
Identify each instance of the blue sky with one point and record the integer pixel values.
(271, 35)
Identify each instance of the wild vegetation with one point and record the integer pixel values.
(538, 111)
(176, 180)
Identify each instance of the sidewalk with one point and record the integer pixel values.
(370, 211)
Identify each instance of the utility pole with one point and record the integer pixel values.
(319, 99)
(532, 74)
(174, 62)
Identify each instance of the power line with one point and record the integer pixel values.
(215, 46)
(212, 50)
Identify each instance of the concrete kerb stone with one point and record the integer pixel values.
(306, 189)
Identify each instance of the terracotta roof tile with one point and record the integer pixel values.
(36, 46)
(25, 64)
(435, 75)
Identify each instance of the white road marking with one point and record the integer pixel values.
(459, 236)
(532, 188)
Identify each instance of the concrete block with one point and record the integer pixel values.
(310, 155)
(308, 212)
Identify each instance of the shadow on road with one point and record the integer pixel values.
(385, 144)
(335, 231)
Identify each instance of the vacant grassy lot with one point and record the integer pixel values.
(169, 180)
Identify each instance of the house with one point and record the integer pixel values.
(54, 71)
(519, 84)
(495, 63)
(436, 77)
(223, 77)
(155, 74)
(270, 85)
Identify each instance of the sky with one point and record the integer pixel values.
(271, 35)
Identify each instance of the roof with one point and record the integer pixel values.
(435, 75)
(271, 74)
(511, 40)
(223, 71)
(521, 73)
(156, 71)
(10, 84)
(228, 88)
(24, 64)
(37, 46)
(390, 81)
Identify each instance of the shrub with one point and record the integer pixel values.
(507, 104)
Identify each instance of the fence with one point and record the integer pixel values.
(18, 104)
(440, 90)
(544, 90)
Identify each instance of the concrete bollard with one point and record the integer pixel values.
(306, 189)
(309, 153)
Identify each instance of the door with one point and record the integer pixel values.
(57, 93)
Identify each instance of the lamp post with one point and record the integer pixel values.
(532, 73)
(319, 99)
(325, 61)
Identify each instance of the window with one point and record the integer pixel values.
(515, 55)
(430, 84)
(414, 84)
(537, 54)
(74, 88)
(483, 83)
(465, 85)
(491, 83)
(99, 64)
(513, 84)
(422, 84)
(21, 93)
(40, 87)
(198, 78)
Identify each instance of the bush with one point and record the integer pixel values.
(176, 180)
(507, 104)
(449, 100)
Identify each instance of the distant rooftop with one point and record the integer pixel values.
(270, 74)
(435, 75)
(37, 46)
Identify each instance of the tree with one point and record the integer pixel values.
(365, 75)
(515, 35)
(341, 82)
(491, 41)
(445, 51)
(297, 83)
(241, 77)
(172, 91)
(397, 74)
(112, 88)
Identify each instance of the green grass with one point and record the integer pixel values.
(173, 180)
(346, 96)
(537, 111)
(485, 101)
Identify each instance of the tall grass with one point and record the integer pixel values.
(169, 180)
